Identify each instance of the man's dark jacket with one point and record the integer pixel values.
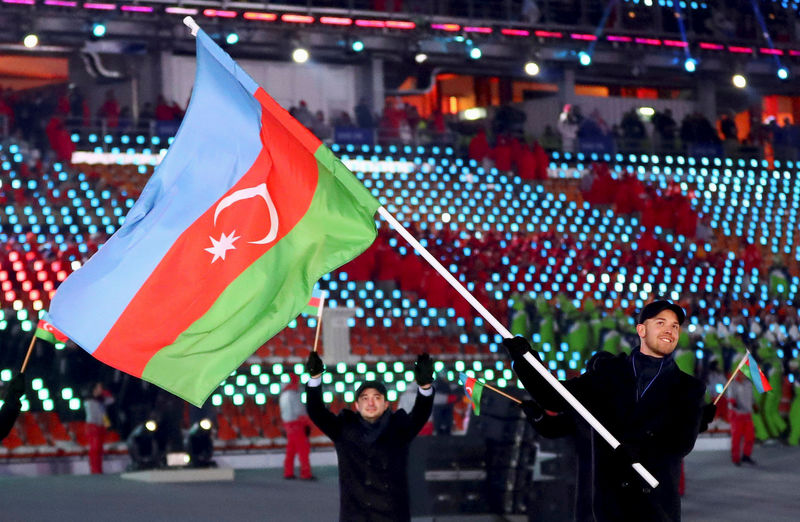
(662, 425)
(373, 482)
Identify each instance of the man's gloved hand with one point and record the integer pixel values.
(598, 360)
(709, 411)
(532, 410)
(518, 346)
(625, 455)
(314, 365)
(423, 369)
(15, 389)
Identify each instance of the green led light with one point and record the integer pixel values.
(263, 378)
(274, 388)
(349, 377)
(438, 366)
(238, 399)
(339, 387)
(501, 383)
(261, 399)
(241, 380)
(44, 394)
(399, 367)
(349, 396)
(75, 404)
(27, 326)
(255, 369)
(477, 365)
(451, 376)
(488, 374)
(460, 366)
(401, 386)
(341, 367)
(388, 377)
(391, 395)
(250, 389)
(508, 374)
(47, 405)
(3, 325)
(228, 389)
(216, 400)
(37, 384)
(327, 397)
(361, 367)
(370, 376)
(299, 368)
(277, 369)
(22, 315)
(285, 378)
(66, 394)
(380, 367)
(60, 346)
(409, 375)
(327, 378)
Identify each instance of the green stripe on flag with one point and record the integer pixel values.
(44, 335)
(273, 290)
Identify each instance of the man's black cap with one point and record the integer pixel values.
(656, 307)
(375, 385)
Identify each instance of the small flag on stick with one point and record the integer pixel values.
(315, 304)
(754, 373)
(474, 390)
(47, 332)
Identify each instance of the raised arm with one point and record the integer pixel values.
(326, 421)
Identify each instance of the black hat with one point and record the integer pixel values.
(375, 385)
(656, 307)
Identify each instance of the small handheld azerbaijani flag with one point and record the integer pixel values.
(474, 389)
(315, 304)
(246, 212)
(47, 332)
(761, 382)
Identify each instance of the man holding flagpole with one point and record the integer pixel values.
(372, 443)
(653, 407)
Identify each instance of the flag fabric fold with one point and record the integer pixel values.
(754, 373)
(222, 250)
(47, 332)
(474, 390)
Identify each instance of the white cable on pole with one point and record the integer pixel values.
(502, 330)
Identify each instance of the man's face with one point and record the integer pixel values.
(659, 334)
(371, 404)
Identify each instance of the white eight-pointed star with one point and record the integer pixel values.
(221, 246)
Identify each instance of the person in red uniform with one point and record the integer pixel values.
(297, 426)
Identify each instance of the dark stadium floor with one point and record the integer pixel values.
(716, 491)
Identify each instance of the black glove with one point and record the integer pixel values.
(423, 369)
(15, 389)
(625, 455)
(709, 411)
(314, 365)
(532, 410)
(518, 346)
(598, 360)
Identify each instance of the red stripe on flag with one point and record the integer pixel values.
(186, 283)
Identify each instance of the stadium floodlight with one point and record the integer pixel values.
(475, 53)
(420, 57)
(143, 447)
(300, 55)
(30, 41)
(199, 445)
(690, 65)
(584, 58)
(532, 68)
(98, 30)
(783, 73)
(739, 81)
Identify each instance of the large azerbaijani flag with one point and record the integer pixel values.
(222, 250)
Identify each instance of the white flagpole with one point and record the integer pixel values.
(319, 318)
(502, 330)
